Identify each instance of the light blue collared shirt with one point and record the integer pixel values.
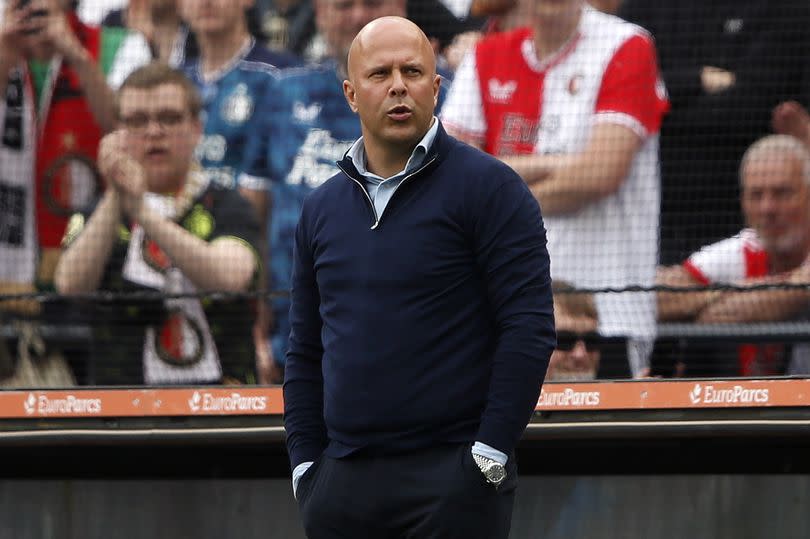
(380, 189)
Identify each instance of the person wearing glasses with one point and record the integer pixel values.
(163, 226)
(578, 353)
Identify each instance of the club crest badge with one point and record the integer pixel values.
(501, 92)
(179, 340)
(238, 107)
(306, 114)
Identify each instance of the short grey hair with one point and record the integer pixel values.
(778, 144)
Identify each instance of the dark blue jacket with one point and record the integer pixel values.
(433, 325)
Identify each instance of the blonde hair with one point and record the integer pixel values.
(573, 303)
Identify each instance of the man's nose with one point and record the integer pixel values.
(579, 352)
(397, 83)
(768, 204)
(154, 128)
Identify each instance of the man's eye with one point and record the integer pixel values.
(170, 117)
(136, 120)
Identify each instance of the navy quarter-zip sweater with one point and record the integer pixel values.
(432, 325)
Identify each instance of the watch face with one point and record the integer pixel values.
(496, 473)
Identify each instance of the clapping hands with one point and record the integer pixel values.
(122, 172)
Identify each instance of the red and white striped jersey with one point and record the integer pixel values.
(512, 103)
(730, 260)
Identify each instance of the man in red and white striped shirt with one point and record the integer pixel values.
(574, 104)
(775, 199)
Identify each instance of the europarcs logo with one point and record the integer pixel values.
(737, 394)
(71, 404)
(203, 401)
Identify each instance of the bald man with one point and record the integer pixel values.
(421, 318)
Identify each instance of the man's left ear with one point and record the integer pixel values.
(348, 92)
(437, 84)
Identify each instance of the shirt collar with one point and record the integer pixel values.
(357, 153)
(220, 73)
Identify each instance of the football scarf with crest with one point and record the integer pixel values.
(48, 148)
(18, 250)
(68, 140)
(182, 349)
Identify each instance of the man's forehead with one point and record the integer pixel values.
(781, 167)
(378, 57)
(387, 40)
(154, 97)
(575, 323)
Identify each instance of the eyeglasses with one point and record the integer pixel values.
(167, 119)
(567, 340)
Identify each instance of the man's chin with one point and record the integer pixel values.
(39, 52)
(405, 134)
(161, 180)
(783, 244)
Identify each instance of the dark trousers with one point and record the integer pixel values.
(437, 493)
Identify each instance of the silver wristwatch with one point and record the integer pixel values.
(493, 471)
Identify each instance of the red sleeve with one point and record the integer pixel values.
(632, 84)
(695, 272)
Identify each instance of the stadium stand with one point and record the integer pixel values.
(646, 393)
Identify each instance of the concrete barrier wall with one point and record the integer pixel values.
(549, 507)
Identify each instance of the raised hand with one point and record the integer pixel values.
(16, 25)
(57, 33)
(122, 172)
(790, 118)
(139, 18)
(715, 80)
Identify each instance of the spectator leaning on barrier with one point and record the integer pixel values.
(775, 200)
(421, 317)
(164, 226)
(574, 105)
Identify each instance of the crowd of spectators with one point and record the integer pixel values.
(666, 143)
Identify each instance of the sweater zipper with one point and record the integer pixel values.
(370, 202)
